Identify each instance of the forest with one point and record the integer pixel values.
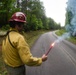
(34, 11)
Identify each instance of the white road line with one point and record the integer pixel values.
(69, 56)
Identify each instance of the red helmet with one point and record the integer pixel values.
(19, 17)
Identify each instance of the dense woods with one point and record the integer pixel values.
(34, 10)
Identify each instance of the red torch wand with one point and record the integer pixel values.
(52, 45)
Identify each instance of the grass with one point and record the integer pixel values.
(71, 39)
(60, 32)
(31, 37)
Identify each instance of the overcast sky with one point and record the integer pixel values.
(55, 9)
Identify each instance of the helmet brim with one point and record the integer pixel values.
(17, 20)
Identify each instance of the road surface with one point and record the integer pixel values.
(61, 59)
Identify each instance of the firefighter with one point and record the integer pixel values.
(15, 50)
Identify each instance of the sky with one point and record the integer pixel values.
(55, 9)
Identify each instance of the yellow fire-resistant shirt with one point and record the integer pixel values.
(19, 55)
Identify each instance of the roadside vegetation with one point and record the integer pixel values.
(72, 39)
(32, 36)
(34, 11)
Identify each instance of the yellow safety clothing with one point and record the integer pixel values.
(19, 55)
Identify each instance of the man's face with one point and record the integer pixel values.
(20, 26)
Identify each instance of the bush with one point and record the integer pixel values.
(5, 27)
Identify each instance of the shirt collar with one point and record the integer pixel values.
(13, 29)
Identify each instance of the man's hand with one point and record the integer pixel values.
(44, 57)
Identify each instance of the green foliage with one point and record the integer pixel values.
(72, 39)
(7, 7)
(5, 27)
(60, 32)
(68, 17)
(45, 22)
(35, 12)
(34, 23)
(40, 24)
(52, 24)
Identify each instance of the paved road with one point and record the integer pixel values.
(61, 59)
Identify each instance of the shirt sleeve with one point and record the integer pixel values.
(25, 54)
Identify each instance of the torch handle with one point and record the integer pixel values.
(48, 51)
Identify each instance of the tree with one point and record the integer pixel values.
(7, 7)
(34, 11)
(69, 16)
(40, 24)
